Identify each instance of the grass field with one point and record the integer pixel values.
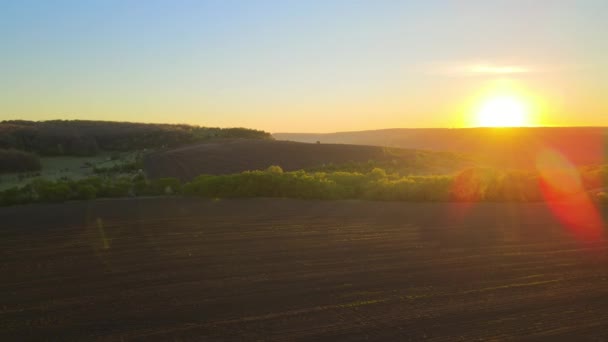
(265, 269)
(54, 168)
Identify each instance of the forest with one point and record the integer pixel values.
(84, 138)
(88, 138)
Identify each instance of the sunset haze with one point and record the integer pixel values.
(307, 66)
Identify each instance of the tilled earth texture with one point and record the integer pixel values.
(235, 156)
(278, 269)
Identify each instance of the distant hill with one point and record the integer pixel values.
(234, 156)
(506, 147)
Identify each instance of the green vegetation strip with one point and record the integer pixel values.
(478, 184)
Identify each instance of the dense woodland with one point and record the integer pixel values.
(86, 138)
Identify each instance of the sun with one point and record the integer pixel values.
(503, 111)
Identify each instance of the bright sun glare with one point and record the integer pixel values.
(503, 111)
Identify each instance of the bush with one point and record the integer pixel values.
(18, 161)
(486, 184)
(85, 192)
(15, 196)
(48, 191)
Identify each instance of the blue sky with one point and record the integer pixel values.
(300, 65)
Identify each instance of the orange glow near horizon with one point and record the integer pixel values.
(504, 103)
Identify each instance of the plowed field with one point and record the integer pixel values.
(235, 156)
(272, 269)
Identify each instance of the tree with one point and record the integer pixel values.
(18, 161)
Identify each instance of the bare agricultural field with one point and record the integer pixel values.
(278, 269)
(238, 155)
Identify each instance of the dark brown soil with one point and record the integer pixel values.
(235, 156)
(272, 269)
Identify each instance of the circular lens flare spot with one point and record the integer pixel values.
(565, 195)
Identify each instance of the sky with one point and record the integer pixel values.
(303, 66)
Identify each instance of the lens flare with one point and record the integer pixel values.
(563, 190)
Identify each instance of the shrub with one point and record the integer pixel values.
(18, 161)
(119, 187)
(274, 169)
(85, 192)
(48, 191)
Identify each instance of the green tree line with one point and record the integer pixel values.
(476, 184)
